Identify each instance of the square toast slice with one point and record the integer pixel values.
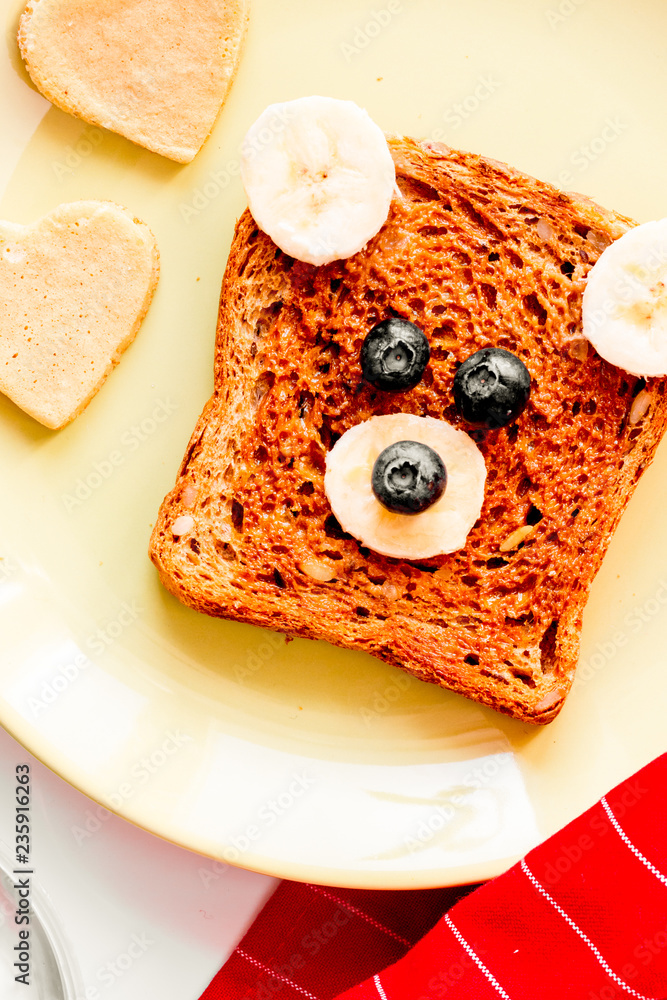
(477, 254)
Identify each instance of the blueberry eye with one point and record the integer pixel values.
(491, 387)
(394, 355)
(408, 477)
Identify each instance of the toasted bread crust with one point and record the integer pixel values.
(475, 253)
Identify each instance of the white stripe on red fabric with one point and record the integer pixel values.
(626, 840)
(475, 957)
(380, 988)
(274, 974)
(587, 941)
(360, 913)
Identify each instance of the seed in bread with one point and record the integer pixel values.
(155, 71)
(75, 287)
(477, 255)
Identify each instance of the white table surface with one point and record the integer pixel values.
(107, 880)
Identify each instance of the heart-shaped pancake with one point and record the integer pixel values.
(156, 71)
(74, 288)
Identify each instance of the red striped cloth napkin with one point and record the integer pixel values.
(584, 915)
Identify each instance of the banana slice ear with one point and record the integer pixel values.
(624, 308)
(318, 176)
(442, 527)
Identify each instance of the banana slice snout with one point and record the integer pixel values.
(442, 527)
(318, 176)
(624, 307)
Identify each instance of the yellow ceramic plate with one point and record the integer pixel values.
(300, 759)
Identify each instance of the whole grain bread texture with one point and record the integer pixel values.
(155, 71)
(75, 287)
(476, 254)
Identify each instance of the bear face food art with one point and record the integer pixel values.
(490, 266)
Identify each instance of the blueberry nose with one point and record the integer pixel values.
(403, 477)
